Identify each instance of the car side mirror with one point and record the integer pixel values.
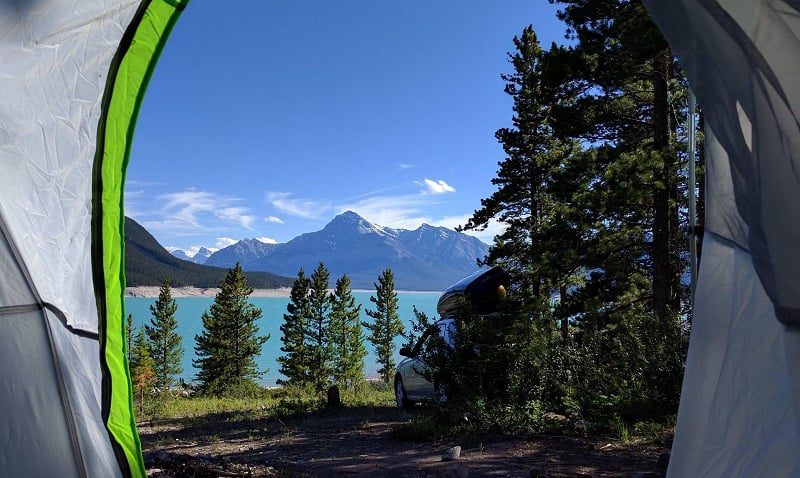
(405, 351)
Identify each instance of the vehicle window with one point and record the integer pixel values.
(423, 342)
(447, 330)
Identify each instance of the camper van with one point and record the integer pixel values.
(483, 291)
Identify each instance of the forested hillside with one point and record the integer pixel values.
(147, 263)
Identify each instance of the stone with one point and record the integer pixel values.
(334, 399)
(452, 454)
(157, 456)
(554, 417)
(459, 470)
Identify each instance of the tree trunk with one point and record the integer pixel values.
(563, 311)
(665, 192)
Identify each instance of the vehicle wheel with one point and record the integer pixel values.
(400, 396)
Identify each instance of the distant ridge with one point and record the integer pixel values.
(426, 258)
(147, 263)
(243, 252)
(199, 257)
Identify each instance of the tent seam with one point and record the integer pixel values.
(65, 403)
(73, 432)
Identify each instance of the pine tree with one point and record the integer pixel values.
(346, 337)
(163, 338)
(295, 361)
(229, 343)
(386, 324)
(532, 246)
(129, 336)
(319, 305)
(142, 369)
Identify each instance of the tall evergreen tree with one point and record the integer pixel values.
(229, 343)
(164, 341)
(296, 359)
(386, 324)
(129, 336)
(142, 368)
(631, 103)
(589, 192)
(319, 306)
(524, 200)
(346, 337)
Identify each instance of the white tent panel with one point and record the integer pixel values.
(740, 399)
(55, 56)
(34, 430)
(82, 382)
(738, 412)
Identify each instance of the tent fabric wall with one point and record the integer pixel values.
(73, 74)
(740, 403)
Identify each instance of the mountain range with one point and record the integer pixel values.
(199, 257)
(147, 263)
(426, 258)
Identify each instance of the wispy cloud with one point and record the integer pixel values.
(400, 211)
(181, 212)
(237, 214)
(410, 211)
(405, 165)
(134, 182)
(223, 242)
(305, 208)
(435, 187)
(266, 240)
(274, 219)
(487, 235)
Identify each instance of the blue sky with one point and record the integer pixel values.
(266, 119)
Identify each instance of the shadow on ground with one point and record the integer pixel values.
(358, 441)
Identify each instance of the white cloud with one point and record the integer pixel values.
(236, 214)
(192, 251)
(223, 242)
(411, 211)
(305, 208)
(405, 165)
(487, 235)
(401, 212)
(266, 240)
(274, 219)
(182, 211)
(436, 187)
(134, 182)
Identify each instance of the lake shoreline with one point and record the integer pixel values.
(152, 291)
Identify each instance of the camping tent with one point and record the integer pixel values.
(72, 75)
(740, 402)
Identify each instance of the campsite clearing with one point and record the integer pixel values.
(358, 441)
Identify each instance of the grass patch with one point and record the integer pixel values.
(423, 429)
(284, 401)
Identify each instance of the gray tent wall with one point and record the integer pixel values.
(64, 384)
(740, 401)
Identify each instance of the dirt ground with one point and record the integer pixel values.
(358, 442)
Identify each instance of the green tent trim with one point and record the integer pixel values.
(127, 81)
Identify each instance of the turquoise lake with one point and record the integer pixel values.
(190, 309)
